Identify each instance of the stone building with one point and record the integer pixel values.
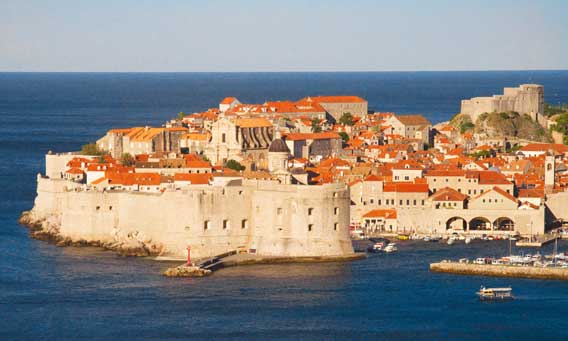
(240, 139)
(141, 140)
(411, 127)
(336, 106)
(525, 99)
(314, 146)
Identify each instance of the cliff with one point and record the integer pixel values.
(510, 125)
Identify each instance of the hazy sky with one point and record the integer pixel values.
(209, 35)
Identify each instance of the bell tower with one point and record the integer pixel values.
(549, 169)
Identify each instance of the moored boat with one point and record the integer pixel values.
(391, 247)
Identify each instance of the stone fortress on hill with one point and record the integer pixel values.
(296, 179)
(525, 99)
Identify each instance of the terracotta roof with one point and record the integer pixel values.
(334, 99)
(381, 213)
(543, 147)
(228, 100)
(448, 194)
(412, 120)
(74, 171)
(405, 187)
(252, 122)
(311, 136)
(195, 179)
(531, 193)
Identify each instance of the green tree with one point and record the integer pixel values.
(316, 126)
(234, 165)
(346, 119)
(127, 160)
(344, 136)
(181, 115)
(92, 149)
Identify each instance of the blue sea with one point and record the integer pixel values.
(82, 293)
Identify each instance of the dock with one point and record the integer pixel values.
(538, 241)
(500, 270)
(233, 258)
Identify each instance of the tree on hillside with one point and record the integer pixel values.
(344, 136)
(127, 159)
(181, 115)
(346, 119)
(316, 126)
(92, 149)
(234, 165)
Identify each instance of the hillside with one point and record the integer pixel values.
(504, 124)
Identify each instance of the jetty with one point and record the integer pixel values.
(500, 270)
(537, 241)
(233, 258)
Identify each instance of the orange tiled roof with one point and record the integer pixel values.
(381, 213)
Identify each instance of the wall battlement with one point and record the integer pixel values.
(273, 219)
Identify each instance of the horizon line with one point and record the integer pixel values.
(305, 71)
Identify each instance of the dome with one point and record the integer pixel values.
(278, 146)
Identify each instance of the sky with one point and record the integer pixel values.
(292, 35)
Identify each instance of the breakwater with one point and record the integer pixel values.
(500, 270)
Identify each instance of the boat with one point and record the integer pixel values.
(495, 294)
(427, 239)
(391, 247)
(435, 238)
(468, 240)
(376, 248)
(403, 237)
(451, 240)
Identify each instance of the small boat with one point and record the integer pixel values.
(403, 237)
(495, 294)
(468, 240)
(376, 248)
(391, 247)
(435, 239)
(451, 240)
(427, 239)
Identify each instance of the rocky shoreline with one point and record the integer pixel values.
(48, 231)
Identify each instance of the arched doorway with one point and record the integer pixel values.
(504, 224)
(480, 223)
(456, 223)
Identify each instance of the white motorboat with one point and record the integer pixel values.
(451, 240)
(391, 247)
(468, 240)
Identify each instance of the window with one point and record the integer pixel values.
(310, 227)
(110, 208)
(379, 202)
(226, 224)
(206, 225)
(414, 202)
(400, 202)
(310, 211)
(336, 211)
(244, 224)
(223, 138)
(407, 202)
(279, 211)
(422, 202)
(371, 200)
(335, 194)
(335, 226)
(406, 178)
(98, 208)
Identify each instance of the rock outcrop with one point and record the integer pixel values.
(131, 244)
(186, 271)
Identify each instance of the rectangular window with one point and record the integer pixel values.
(226, 224)
(414, 202)
(206, 225)
(336, 211)
(279, 211)
(379, 202)
(400, 202)
(310, 211)
(335, 226)
(244, 224)
(407, 202)
(310, 227)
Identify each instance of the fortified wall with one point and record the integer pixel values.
(271, 219)
(525, 99)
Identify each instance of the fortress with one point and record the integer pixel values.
(525, 99)
(270, 218)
